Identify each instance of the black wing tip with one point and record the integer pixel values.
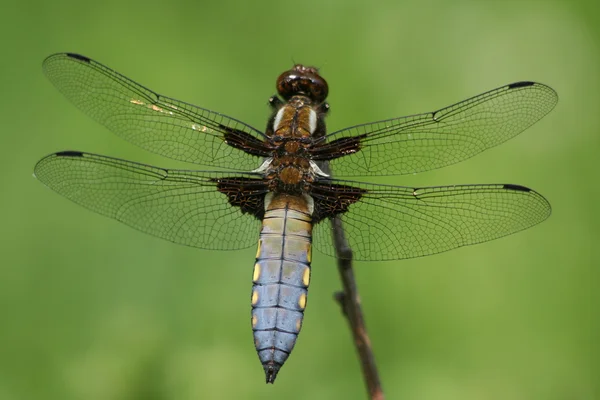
(541, 199)
(69, 153)
(271, 371)
(520, 84)
(78, 57)
(49, 157)
(510, 186)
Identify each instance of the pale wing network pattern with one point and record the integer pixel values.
(181, 206)
(159, 124)
(394, 222)
(436, 139)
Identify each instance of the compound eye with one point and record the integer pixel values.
(302, 80)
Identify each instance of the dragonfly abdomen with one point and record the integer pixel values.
(281, 278)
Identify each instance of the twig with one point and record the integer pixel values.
(349, 301)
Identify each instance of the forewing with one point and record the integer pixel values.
(432, 140)
(184, 207)
(154, 122)
(394, 222)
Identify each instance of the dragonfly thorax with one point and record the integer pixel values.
(290, 173)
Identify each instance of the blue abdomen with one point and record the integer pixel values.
(281, 278)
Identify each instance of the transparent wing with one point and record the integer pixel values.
(184, 207)
(394, 222)
(432, 140)
(156, 123)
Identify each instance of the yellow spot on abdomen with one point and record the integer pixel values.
(309, 254)
(298, 324)
(254, 321)
(256, 273)
(254, 297)
(306, 276)
(302, 301)
(258, 249)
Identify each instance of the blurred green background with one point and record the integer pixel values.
(91, 309)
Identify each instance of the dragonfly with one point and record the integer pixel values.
(276, 187)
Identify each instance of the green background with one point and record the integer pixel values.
(91, 309)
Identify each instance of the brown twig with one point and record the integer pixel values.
(349, 301)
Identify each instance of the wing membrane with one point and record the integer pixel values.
(433, 140)
(154, 122)
(395, 222)
(181, 206)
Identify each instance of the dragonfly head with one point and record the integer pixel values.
(301, 80)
